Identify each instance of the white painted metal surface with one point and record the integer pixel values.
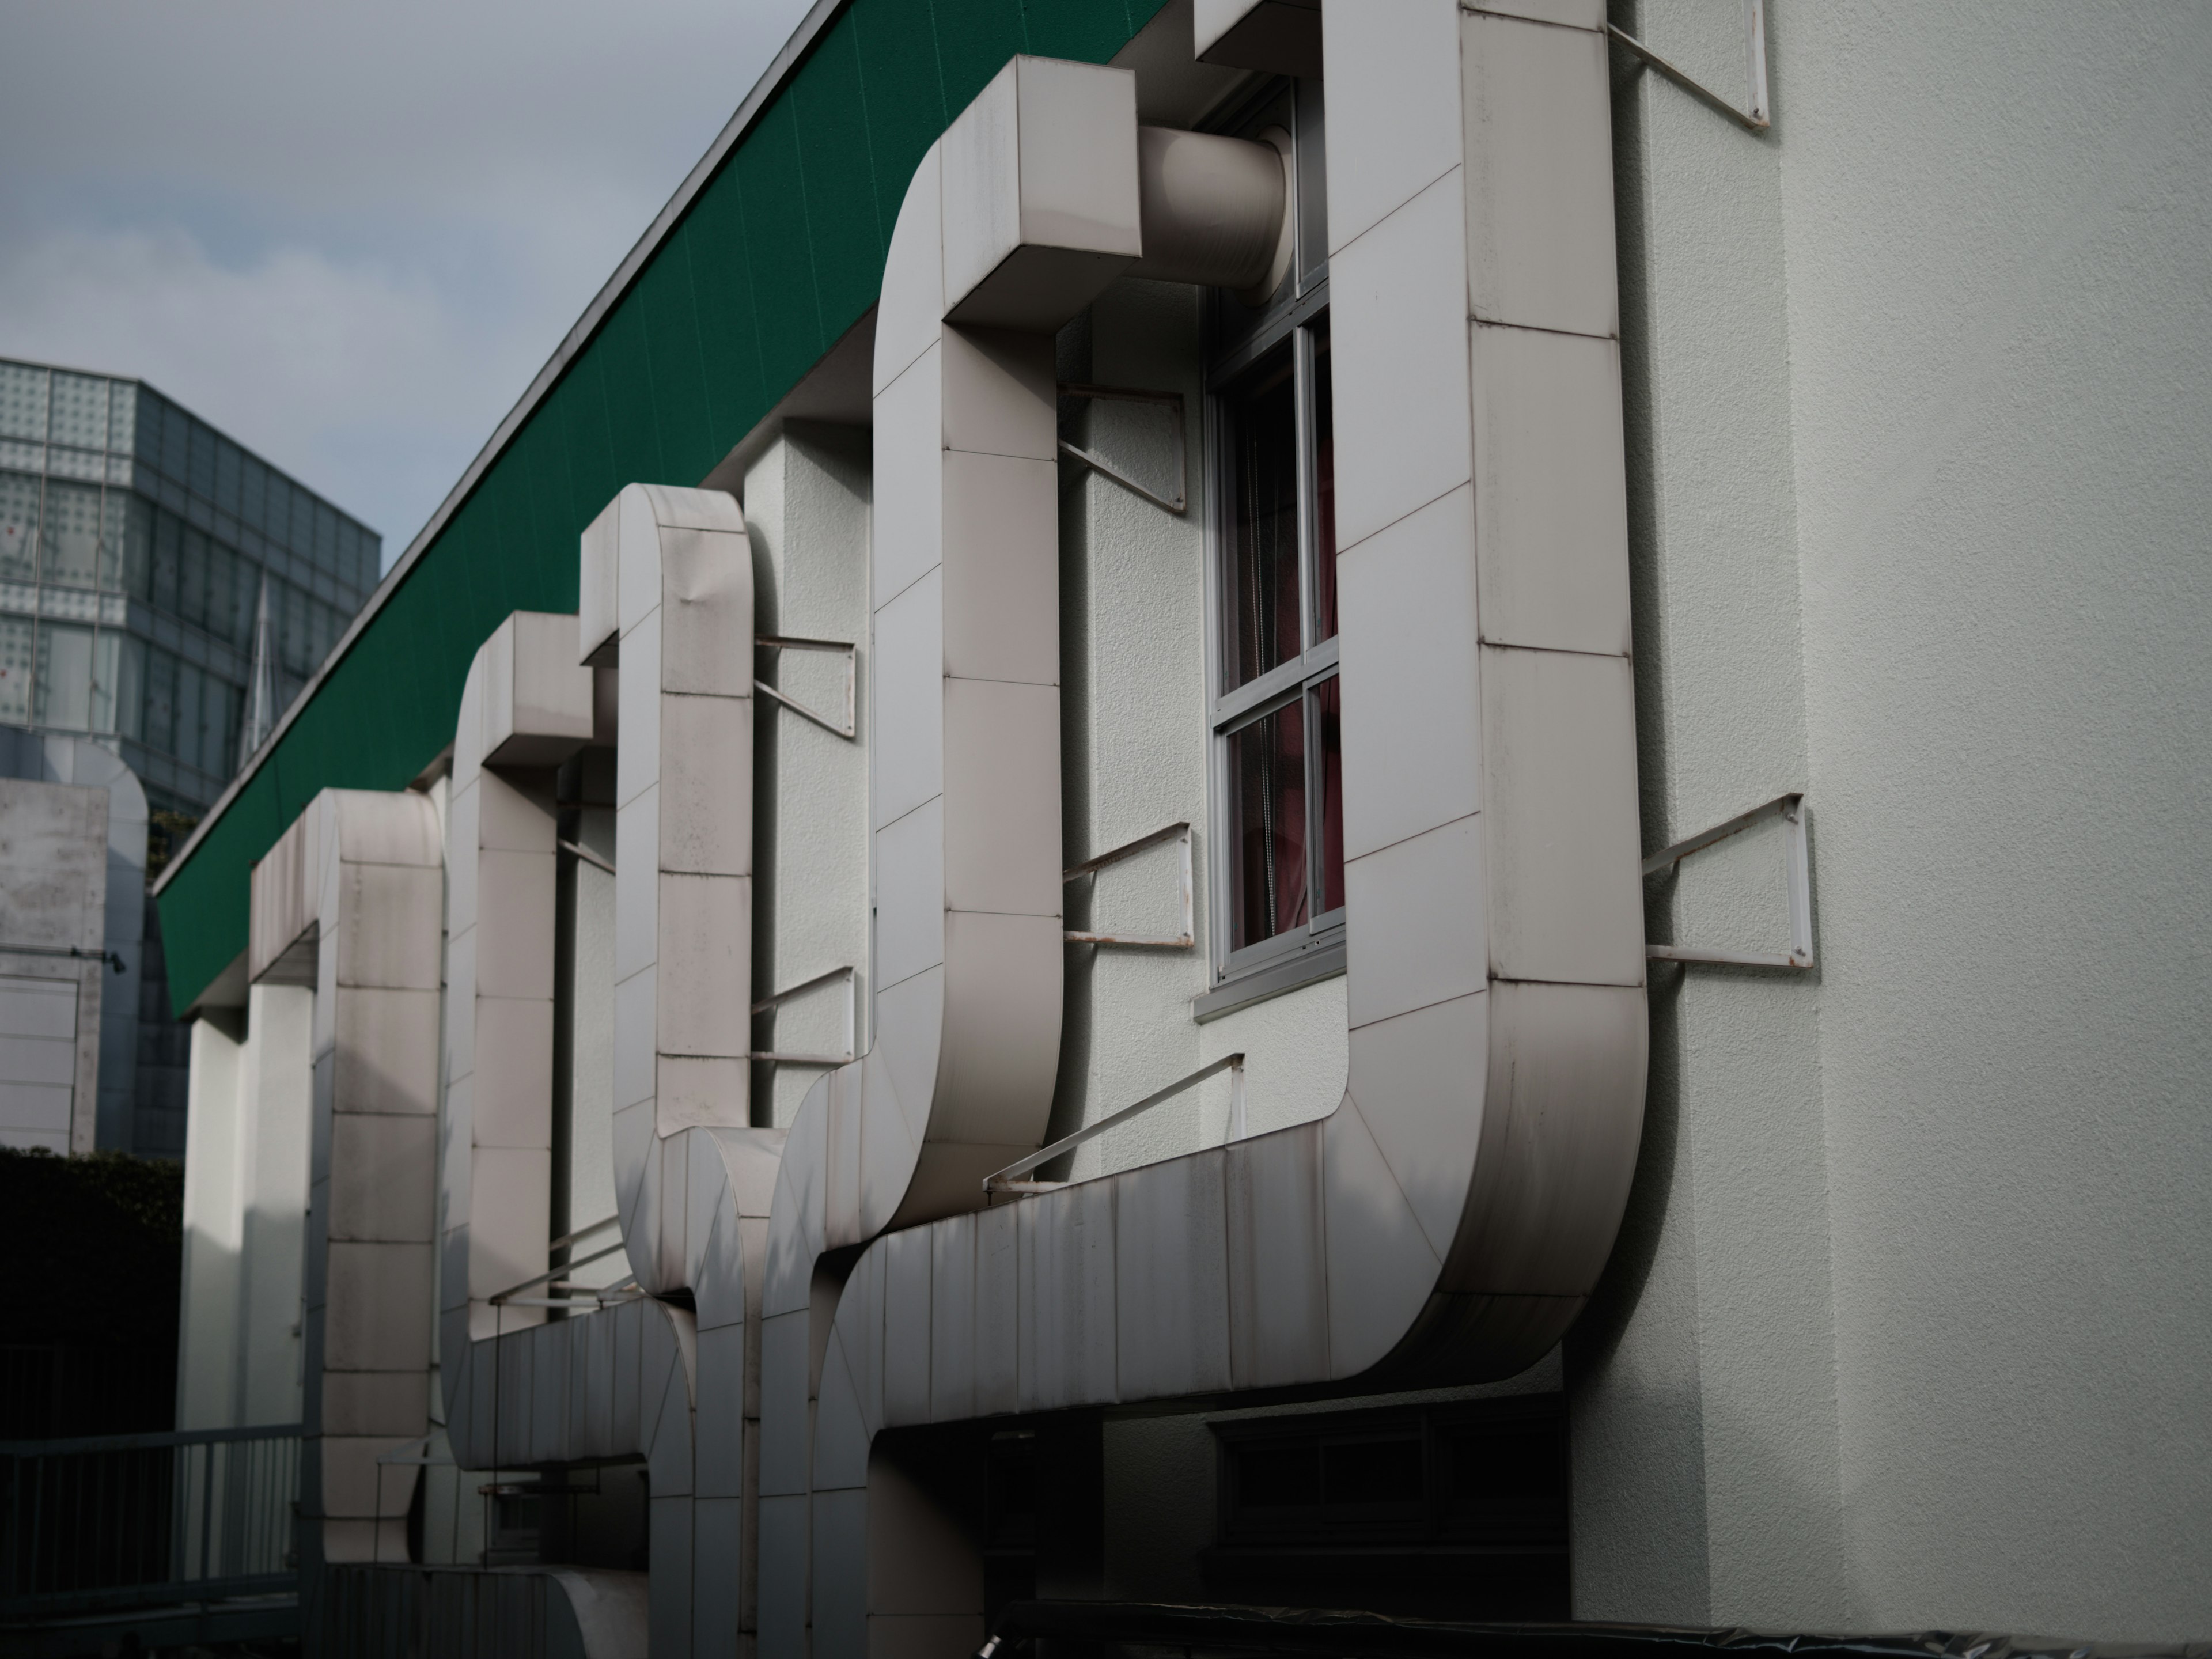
(624, 1380)
(1462, 1201)
(351, 900)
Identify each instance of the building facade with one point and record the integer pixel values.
(135, 544)
(1377, 804)
(141, 551)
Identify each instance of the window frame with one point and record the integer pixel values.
(1239, 343)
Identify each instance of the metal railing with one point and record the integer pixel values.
(1003, 1180)
(143, 1520)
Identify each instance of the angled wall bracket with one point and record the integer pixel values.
(1182, 941)
(768, 1005)
(1759, 116)
(1008, 1179)
(1790, 808)
(1172, 401)
(782, 642)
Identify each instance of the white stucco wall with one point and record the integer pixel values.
(1704, 1371)
(208, 1289)
(806, 502)
(1906, 1327)
(275, 1113)
(245, 1211)
(1999, 319)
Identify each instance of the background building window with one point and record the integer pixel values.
(72, 534)
(63, 697)
(79, 411)
(118, 670)
(15, 675)
(19, 526)
(23, 401)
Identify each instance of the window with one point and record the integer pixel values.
(1282, 834)
(222, 592)
(19, 526)
(16, 646)
(119, 517)
(1279, 816)
(245, 596)
(220, 708)
(276, 513)
(228, 459)
(79, 411)
(169, 554)
(122, 417)
(176, 441)
(23, 401)
(118, 669)
(137, 544)
(72, 534)
(326, 537)
(65, 683)
(1451, 1510)
(201, 448)
(253, 494)
(186, 746)
(1278, 842)
(294, 648)
(161, 721)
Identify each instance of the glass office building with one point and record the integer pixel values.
(135, 545)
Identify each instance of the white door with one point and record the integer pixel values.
(37, 1061)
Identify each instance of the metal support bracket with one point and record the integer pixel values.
(1790, 808)
(1170, 400)
(1182, 941)
(506, 1299)
(112, 958)
(577, 850)
(767, 1004)
(1006, 1181)
(1758, 117)
(783, 642)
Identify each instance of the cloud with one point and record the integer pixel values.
(348, 235)
(362, 380)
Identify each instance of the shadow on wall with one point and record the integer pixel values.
(96, 1243)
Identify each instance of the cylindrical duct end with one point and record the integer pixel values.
(1215, 211)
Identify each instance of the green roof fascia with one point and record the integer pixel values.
(773, 249)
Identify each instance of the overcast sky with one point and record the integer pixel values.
(347, 234)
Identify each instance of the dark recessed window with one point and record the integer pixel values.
(1456, 1511)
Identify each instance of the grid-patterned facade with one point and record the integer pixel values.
(135, 543)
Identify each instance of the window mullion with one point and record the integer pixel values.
(1309, 614)
(1236, 708)
(1302, 359)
